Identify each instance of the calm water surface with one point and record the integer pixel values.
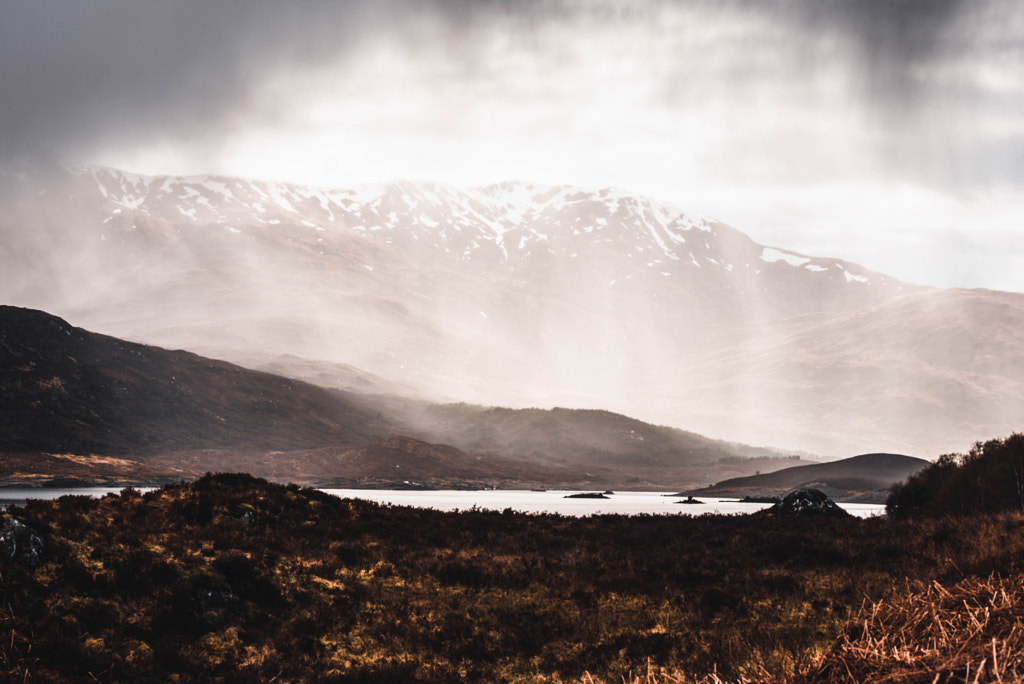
(17, 496)
(552, 501)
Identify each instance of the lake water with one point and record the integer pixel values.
(552, 501)
(17, 496)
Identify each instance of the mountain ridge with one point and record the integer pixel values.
(488, 213)
(512, 295)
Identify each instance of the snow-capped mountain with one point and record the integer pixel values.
(514, 224)
(508, 294)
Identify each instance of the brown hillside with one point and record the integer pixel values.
(393, 462)
(66, 390)
(564, 435)
(170, 414)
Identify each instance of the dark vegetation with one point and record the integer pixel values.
(231, 578)
(988, 479)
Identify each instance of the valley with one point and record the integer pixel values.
(96, 409)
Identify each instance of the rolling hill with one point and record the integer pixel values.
(69, 390)
(93, 408)
(865, 478)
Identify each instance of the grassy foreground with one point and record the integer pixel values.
(232, 578)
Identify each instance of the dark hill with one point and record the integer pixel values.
(564, 435)
(76, 404)
(66, 390)
(393, 463)
(611, 447)
(404, 461)
(867, 477)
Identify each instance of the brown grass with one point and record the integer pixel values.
(659, 676)
(970, 632)
(231, 578)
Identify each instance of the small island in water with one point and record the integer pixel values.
(590, 495)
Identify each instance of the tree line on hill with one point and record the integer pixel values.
(987, 479)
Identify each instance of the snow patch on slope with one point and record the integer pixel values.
(509, 222)
(772, 255)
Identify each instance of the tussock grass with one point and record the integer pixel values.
(970, 632)
(658, 676)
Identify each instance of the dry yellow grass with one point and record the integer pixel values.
(971, 632)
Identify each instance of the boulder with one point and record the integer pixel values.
(20, 542)
(807, 502)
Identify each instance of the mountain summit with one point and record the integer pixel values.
(520, 295)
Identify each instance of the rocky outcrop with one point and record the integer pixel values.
(20, 542)
(807, 502)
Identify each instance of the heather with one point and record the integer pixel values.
(232, 578)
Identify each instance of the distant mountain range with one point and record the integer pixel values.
(518, 295)
(89, 408)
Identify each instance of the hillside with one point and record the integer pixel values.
(68, 390)
(865, 478)
(92, 408)
(392, 463)
(610, 447)
(924, 369)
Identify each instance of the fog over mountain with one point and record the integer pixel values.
(518, 295)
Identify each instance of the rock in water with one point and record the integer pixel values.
(807, 502)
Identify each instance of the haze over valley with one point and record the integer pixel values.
(81, 408)
(521, 296)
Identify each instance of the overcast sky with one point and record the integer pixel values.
(885, 132)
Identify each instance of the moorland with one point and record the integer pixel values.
(234, 578)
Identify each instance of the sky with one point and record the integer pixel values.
(889, 133)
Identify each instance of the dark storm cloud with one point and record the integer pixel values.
(76, 73)
(916, 72)
(76, 76)
(892, 39)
